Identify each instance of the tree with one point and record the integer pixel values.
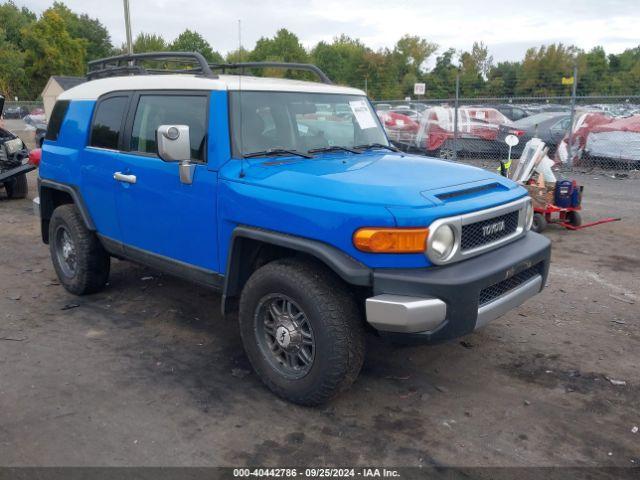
(283, 47)
(190, 41)
(341, 60)
(503, 79)
(415, 51)
(237, 56)
(543, 69)
(98, 41)
(13, 20)
(149, 42)
(51, 50)
(442, 79)
(12, 74)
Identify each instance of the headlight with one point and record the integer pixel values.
(528, 218)
(442, 242)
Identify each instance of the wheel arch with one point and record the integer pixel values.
(52, 195)
(253, 247)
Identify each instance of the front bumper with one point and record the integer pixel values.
(439, 303)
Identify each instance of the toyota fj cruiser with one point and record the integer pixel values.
(286, 196)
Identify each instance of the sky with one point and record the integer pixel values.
(508, 28)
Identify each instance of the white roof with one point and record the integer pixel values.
(95, 88)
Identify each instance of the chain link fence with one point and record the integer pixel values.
(579, 133)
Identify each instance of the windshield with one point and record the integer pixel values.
(264, 121)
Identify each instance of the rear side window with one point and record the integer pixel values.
(57, 117)
(106, 130)
(156, 110)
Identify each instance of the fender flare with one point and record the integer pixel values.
(349, 269)
(47, 204)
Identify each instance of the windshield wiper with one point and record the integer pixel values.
(376, 145)
(276, 151)
(333, 148)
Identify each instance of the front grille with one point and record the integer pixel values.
(496, 290)
(481, 233)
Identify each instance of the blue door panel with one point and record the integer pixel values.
(98, 189)
(163, 216)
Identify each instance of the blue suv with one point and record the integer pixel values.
(286, 197)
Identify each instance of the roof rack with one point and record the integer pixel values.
(130, 64)
(287, 66)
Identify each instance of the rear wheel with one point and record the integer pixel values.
(17, 187)
(539, 223)
(301, 330)
(80, 261)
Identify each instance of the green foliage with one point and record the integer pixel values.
(98, 41)
(414, 52)
(12, 73)
(149, 42)
(51, 50)
(341, 60)
(13, 20)
(190, 41)
(283, 47)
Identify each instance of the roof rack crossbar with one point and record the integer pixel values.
(287, 66)
(129, 64)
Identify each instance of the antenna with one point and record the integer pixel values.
(240, 98)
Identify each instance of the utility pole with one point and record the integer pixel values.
(573, 115)
(127, 26)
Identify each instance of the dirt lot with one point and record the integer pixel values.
(147, 373)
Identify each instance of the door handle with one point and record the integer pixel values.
(121, 177)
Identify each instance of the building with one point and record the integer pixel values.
(54, 87)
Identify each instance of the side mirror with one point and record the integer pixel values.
(174, 145)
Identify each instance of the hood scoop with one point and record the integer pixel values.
(466, 191)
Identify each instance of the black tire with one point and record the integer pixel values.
(17, 187)
(574, 218)
(446, 153)
(91, 263)
(539, 223)
(334, 320)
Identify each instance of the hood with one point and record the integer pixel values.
(375, 178)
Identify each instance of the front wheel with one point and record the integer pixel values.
(301, 330)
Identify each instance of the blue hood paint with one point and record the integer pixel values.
(373, 178)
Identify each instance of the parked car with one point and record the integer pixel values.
(37, 111)
(16, 112)
(401, 129)
(549, 127)
(407, 112)
(512, 112)
(616, 141)
(478, 129)
(312, 226)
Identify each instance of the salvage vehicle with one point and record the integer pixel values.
(314, 231)
(13, 169)
(478, 129)
(549, 127)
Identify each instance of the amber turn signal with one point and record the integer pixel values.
(391, 240)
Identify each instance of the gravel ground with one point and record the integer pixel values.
(147, 373)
